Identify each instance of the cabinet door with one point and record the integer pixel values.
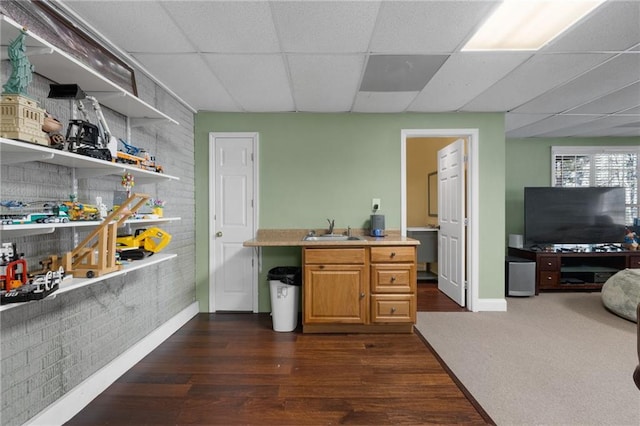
(335, 294)
(634, 261)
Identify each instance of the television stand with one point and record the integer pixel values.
(564, 270)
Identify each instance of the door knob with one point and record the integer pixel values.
(219, 234)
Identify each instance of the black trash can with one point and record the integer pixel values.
(284, 286)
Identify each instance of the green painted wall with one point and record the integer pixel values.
(529, 164)
(319, 166)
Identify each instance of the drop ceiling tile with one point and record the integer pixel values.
(323, 83)
(623, 132)
(615, 74)
(550, 124)
(614, 26)
(635, 110)
(621, 100)
(463, 77)
(597, 125)
(226, 27)
(201, 89)
(427, 26)
(532, 79)
(135, 26)
(324, 26)
(383, 101)
(399, 73)
(514, 121)
(258, 83)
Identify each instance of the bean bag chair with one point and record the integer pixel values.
(621, 294)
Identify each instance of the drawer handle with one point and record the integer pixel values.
(393, 254)
(548, 278)
(548, 263)
(321, 266)
(393, 310)
(393, 278)
(361, 295)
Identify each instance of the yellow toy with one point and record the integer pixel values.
(145, 240)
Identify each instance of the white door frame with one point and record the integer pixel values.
(212, 209)
(473, 199)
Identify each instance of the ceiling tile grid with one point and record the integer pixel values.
(379, 56)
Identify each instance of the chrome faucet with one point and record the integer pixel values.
(332, 223)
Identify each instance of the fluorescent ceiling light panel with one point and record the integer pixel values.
(528, 24)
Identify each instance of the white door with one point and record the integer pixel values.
(451, 219)
(233, 280)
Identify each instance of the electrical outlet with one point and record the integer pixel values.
(375, 204)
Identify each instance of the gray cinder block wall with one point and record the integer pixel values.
(48, 347)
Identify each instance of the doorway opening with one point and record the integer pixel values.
(426, 136)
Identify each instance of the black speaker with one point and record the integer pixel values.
(520, 277)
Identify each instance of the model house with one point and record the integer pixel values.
(326, 97)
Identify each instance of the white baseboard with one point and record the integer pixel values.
(76, 399)
(491, 305)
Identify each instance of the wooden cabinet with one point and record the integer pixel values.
(363, 289)
(393, 284)
(576, 270)
(335, 286)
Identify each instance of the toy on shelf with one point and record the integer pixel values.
(83, 137)
(16, 285)
(21, 117)
(39, 287)
(80, 211)
(138, 157)
(144, 242)
(53, 127)
(13, 268)
(19, 213)
(128, 182)
(96, 254)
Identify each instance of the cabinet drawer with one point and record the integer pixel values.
(548, 279)
(334, 256)
(634, 261)
(393, 278)
(393, 254)
(549, 263)
(393, 308)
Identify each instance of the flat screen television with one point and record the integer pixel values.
(592, 215)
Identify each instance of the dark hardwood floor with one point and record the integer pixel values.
(430, 299)
(234, 369)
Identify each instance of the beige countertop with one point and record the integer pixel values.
(294, 237)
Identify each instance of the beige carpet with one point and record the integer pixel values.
(553, 359)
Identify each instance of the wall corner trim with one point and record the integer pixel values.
(72, 402)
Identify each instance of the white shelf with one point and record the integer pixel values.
(58, 66)
(69, 284)
(12, 231)
(14, 152)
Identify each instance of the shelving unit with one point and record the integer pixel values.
(69, 284)
(15, 152)
(56, 65)
(12, 231)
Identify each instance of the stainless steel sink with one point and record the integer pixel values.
(331, 237)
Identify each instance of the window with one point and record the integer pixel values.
(580, 166)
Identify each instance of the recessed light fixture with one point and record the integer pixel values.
(528, 24)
